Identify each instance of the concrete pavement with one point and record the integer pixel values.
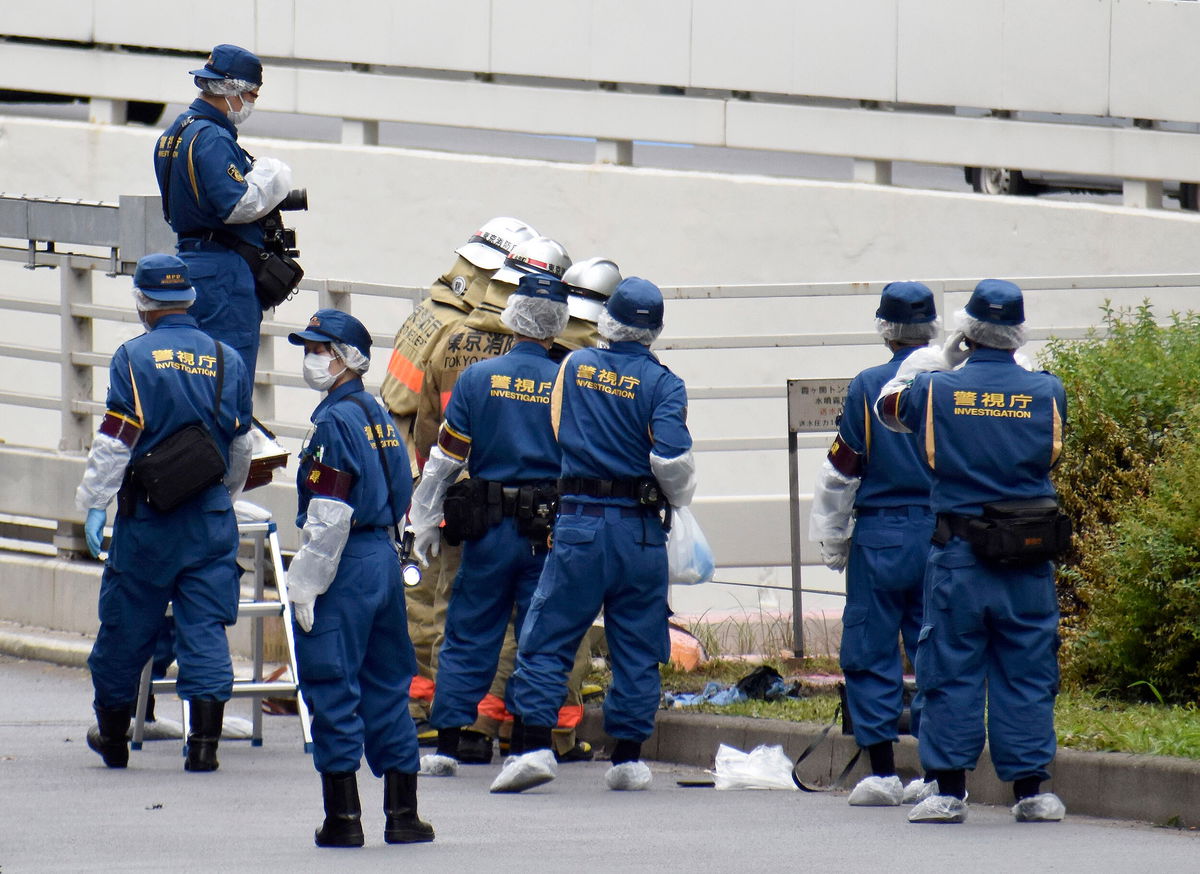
(61, 810)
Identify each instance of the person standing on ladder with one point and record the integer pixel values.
(175, 538)
(353, 652)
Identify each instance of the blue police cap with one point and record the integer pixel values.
(637, 303)
(542, 285)
(231, 62)
(906, 303)
(997, 301)
(164, 278)
(334, 325)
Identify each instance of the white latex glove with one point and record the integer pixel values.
(426, 538)
(955, 350)
(835, 553)
(302, 612)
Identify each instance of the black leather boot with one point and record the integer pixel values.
(207, 718)
(474, 748)
(343, 813)
(107, 736)
(400, 805)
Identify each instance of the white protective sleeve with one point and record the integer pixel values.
(321, 542)
(440, 471)
(240, 452)
(676, 476)
(105, 469)
(922, 361)
(267, 183)
(832, 514)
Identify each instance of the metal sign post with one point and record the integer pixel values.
(813, 407)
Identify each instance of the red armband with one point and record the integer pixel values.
(329, 482)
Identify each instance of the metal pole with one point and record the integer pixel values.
(75, 287)
(794, 532)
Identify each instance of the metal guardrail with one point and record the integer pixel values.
(81, 238)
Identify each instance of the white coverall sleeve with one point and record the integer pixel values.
(240, 452)
(105, 469)
(922, 361)
(321, 542)
(440, 471)
(831, 517)
(267, 183)
(676, 476)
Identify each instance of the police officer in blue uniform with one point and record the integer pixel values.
(497, 426)
(216, 189)
(871, 516)
(353, 652)
(620, 417)
(171, 377)
(990, 432)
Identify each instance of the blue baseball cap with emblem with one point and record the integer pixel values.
(542, 285)
(906, 303)
(164, 278)
(231, 62)
(998, 302)
(637, 303)
(327, 326)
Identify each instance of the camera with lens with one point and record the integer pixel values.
(276, 237)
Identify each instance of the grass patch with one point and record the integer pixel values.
(1083, 720)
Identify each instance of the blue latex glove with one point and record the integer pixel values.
(93, 530)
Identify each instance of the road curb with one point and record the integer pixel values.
(1163, 790)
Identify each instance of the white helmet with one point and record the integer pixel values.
(589, 285)
(491, 244)
(539, 255)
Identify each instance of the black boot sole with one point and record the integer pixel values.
(114, 756)
(348, 839)
(409, 834)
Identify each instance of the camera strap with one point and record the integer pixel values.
(171, 152)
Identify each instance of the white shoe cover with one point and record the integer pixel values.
(1046, 807)
(918, 790)
(526, 771)
(939, 808)
(628, 776)
(434, 765)
(877, 791)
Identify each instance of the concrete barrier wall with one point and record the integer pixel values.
(393, 215)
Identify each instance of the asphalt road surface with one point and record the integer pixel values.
(61, 810)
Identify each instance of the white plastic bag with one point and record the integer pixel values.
(689, 559)
(765, 767)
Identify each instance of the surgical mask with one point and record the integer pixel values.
(316, 371)
(236, 118)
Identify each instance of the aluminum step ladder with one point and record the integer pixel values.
(265, 539)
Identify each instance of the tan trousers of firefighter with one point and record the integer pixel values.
(426, 605)
(494, 719)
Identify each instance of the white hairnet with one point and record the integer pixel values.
(146, 305)
(224, 87)
(989, 334)
(535, 316)
(899, 332)
(353, 359)
(613, 331)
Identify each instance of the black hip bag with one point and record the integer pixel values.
(181, 466)
(1011, 533)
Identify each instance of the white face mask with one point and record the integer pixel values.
(236, 118)
(316, 371)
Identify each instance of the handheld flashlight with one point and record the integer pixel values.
(410, 571)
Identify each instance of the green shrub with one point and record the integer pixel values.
(1128, 590)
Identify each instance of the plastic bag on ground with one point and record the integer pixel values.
(689, 558)
(765, 767)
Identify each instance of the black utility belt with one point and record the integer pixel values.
(645, 490)
(474, 505)
(1010, 533)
